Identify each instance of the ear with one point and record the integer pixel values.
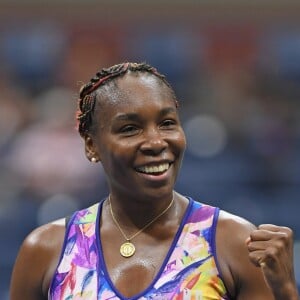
(90, 149)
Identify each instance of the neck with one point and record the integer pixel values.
(135, 212)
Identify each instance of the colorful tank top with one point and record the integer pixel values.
(189, 271)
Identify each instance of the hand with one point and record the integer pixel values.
(271, 248)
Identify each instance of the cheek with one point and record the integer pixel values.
(115, 163)
(116, 154)
(181, 141)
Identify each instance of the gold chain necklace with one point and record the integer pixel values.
(127, 249)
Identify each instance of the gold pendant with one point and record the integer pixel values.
(127, 249)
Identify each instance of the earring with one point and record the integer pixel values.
(94, 159)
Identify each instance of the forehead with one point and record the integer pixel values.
(134, 91)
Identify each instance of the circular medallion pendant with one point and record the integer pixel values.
(127, 249)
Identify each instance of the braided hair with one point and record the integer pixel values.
(87, 94)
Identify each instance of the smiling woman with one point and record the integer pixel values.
(144, 240)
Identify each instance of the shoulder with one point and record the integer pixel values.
(229, 223)
(240, 275)
(39, 253)
(233, 232)
(39, 238)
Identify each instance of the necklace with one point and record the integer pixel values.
(127, 249)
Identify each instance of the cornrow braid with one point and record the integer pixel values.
(87, 95)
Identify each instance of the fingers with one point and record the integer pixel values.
(264, 257)
(257, 245)
(257, 258)
(267, 232)
(270, 247)
(275, 228)
(268, 243)
(270, 227)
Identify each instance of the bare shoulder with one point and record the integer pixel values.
(242, 279)
(45, 236)
(39, 253)
(233, 227)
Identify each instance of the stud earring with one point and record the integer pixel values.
(94, 159)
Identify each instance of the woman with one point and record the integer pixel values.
(146, 241)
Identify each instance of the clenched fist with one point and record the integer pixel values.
(271, 248)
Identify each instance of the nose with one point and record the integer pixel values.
(154, 143)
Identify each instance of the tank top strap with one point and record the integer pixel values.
(79, 258)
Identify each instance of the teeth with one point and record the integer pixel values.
(154, 169)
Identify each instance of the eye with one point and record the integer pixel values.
(129, 130)
(169, 123)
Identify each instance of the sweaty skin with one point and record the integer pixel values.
(139, 128)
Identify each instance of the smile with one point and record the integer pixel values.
(158, 169)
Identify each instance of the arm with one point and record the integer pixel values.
(242, 275)
(36, 262)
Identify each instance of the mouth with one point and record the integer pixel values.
(154, 169)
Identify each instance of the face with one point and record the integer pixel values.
(138, 138)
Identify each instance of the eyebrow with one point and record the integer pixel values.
(126, 117)
(136, 117)
(167, 110)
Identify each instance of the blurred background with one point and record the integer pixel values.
(234, 66)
